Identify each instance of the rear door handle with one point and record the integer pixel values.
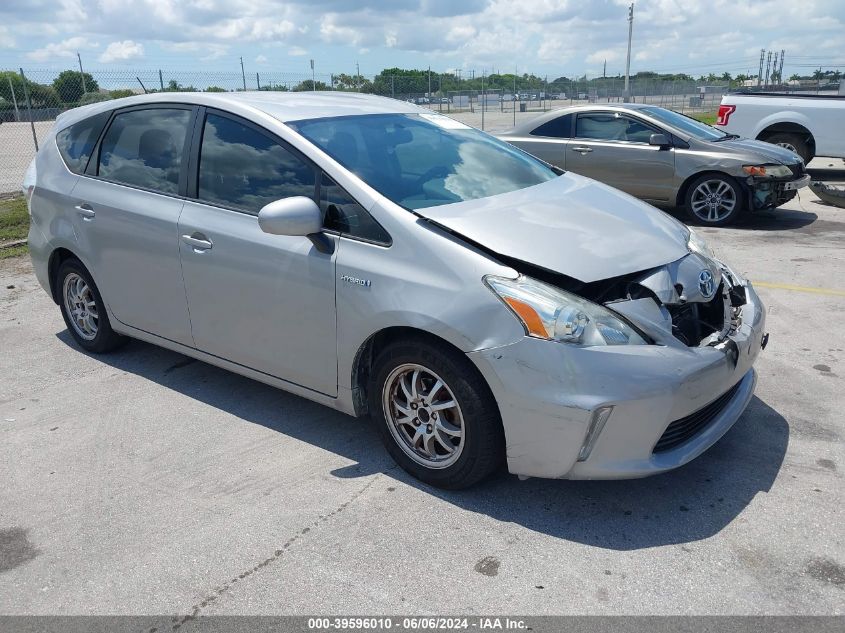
(84, 209)
(582, 149)
(198, 242)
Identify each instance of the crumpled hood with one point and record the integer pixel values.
(767, 151)
(571, 225)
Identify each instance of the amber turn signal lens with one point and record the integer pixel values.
(529, 317)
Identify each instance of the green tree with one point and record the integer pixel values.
(120, 93)
(307, 85)
(215, 89)
(93, 97)
(68, 85)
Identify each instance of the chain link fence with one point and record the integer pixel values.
(31, 99)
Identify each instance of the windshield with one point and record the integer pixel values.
(694, 128)
(424, 160)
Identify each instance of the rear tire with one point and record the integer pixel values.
(793, 142)
(445, 446)
(714, 200)
(83, 309)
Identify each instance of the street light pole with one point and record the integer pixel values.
(628, 62)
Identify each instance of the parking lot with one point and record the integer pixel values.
(146, 483)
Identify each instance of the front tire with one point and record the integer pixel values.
(793, 142)
(714, 200)
(435, 414)
(83, 309)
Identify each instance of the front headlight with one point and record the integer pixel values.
(553, 314)
(696, 244)
(767, 171)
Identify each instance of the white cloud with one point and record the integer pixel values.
(261, 59)
(122, 51)
(63, 49)
(6, 39)
(297, 51)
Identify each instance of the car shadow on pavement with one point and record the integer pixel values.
(772, 220)
(689, 504)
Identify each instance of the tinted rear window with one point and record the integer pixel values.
(560, 127)
(144, 148)
(76, 142)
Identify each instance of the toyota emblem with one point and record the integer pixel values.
(706, 284)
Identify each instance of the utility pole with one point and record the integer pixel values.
(760, 72)
(393, 86)
(357, 76)
(81, 73)
(160, 80)
(780, 70)
(514, 96)
(768, 65)
(604, 71)
(429, 82)
(483, 101)
(313, 83)
(243, 74)
(257, 82)
(628, 61)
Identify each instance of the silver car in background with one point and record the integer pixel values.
(665, 158)
(370, 255)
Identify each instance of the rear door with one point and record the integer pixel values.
(548, 140)
(613, 148)
(127, 208)
(263, 301)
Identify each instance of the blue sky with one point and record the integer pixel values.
(546, 37)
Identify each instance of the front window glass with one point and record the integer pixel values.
(612, 126)
(424, 160)
(694, 128)
(242, 168)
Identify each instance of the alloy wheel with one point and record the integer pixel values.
(713, 200)
(81, 306)
(423, 416)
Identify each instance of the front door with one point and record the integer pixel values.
(613, 148)
(263, 301)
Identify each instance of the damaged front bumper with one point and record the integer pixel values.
(768, 193)
(554, 399)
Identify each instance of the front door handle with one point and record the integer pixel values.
(582, 149)
(198, 242)
(84, 209)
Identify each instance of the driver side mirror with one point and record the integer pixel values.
(660, 140)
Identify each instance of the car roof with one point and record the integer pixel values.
(531, 124)
(283, 106)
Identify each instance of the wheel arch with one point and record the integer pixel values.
(681, 198)
(368, 351)
(787, 127)
(57, 257)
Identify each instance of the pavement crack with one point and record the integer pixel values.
(179, 621)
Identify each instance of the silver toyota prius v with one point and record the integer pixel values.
(479, 304)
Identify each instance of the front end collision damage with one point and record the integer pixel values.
(575, 412)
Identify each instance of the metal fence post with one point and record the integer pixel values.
(29, 110)
(14, 99)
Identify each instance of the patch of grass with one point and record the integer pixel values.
(14, 225)
(705, 117)
(14, 219)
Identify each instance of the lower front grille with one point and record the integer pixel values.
(686, 428)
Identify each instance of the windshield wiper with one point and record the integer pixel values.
(726, 137)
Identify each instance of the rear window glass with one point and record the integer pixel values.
(144, 148)
(560, 127)
(76, 142)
